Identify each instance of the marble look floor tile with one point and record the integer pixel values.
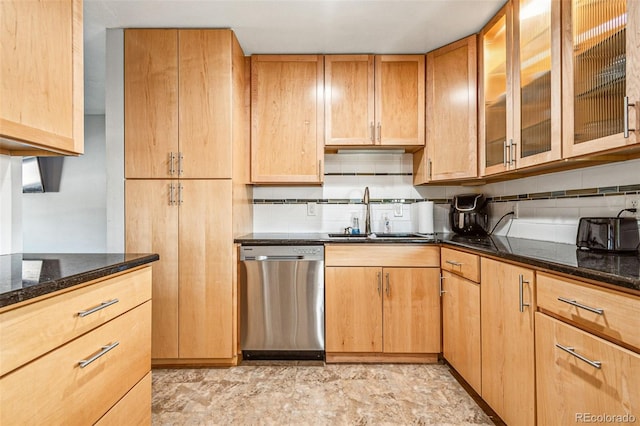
(334, 394)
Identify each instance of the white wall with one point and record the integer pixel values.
(10, 204)
(74, 219)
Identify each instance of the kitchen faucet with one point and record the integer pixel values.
(367, 216)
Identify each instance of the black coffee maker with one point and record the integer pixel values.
(469, 215)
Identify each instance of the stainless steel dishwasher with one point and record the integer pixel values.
(282, 302)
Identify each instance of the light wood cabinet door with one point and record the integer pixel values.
(411, 310)
(597, 73)
(41, 77)
(399, 100)
(353, 306)
(452, 142)
(349, 101)
(151, 226)
(150, 103)
(206, 259)
(287, 118)
(205, 110)
(461, 327)
(506, 314)
(569, 388)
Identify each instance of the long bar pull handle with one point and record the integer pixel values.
(573, 302)
(83, 363)
(504, 153)
(319, 170)
(388, 285)
(172, 169)
(570, 350)
(379, 283)
(379, 132)
(172, 201)
(512, 152)
(180, 158)
(521, 288)
(626, 116)
(429, 168)
(373, 132)
(441, 290)
(101, 306)
(453, 263)
(180, 188)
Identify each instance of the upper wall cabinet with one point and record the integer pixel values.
(41, 77)
(451, 147)
(178, 103)
(287, 118)
(601, 74)
(374, 100)
(520, 102)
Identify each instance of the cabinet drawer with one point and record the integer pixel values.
(381, 255)
(64, 391)
(618, 319)
(32, 330)
(569, 388)
(461, 263)
(133, 409)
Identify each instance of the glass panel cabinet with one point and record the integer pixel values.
(600, 77)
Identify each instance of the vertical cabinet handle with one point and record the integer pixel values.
(100, 307)
(512, 152)
(83, 363)
(379, 132)
(388, 285)
(319, 170)
(626, 116)
(172, 170)
(429, 168)
(372, 128)
(441, 290)
(180, 158)
(379, 283)
(172, 201)
(521, 288)
(180, 188)
(504, 153)
(570, 350)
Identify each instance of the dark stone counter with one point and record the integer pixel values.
(25, 276)
(619, 271)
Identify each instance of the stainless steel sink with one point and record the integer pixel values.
(378, 236)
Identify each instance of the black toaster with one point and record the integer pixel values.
(614, 234)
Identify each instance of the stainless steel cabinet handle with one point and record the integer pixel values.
(626, 116)
(429, 168)
(570, 350)
(453, 263)
(521, 288)
(441, 290)
(172, 170)
(180, 188)
(180, 158)
(83, 363)
(512, 152)
(388, 285)
(573, 302)
(101, 306)
(379, 283)
(172, 201)
(379, 132)
(319, 170)
(504, 154)
(373, 132)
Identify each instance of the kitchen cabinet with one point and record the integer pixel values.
(588, 353)
(42, 88)
(179, 90)
(45, 341)
(601, 75)
(520, 96)
(374, 100)
(287, 119)
(386, 312)
(451, 140)
(507, 306)
(191, 216)
(186, 223)
(461, 315)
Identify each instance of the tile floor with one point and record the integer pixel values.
(308, 394)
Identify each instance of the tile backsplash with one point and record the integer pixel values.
(549, 206)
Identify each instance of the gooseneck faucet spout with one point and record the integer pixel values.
(367, 217)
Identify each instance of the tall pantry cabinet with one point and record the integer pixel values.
(186, 170)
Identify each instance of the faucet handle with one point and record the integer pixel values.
(347, 230)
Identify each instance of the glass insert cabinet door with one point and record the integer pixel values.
(600, 85)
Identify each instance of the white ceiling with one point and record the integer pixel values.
(292, 26)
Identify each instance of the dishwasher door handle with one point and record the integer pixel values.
(265, 258)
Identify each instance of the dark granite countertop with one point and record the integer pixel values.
(25, 276)
(620, 271)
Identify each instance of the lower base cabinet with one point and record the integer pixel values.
(601, 387)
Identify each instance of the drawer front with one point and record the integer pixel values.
(66, 393)
(618, 319)
(32, 330)
(570, 390)
(133, 409)
(382, 255)
(461, 263)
